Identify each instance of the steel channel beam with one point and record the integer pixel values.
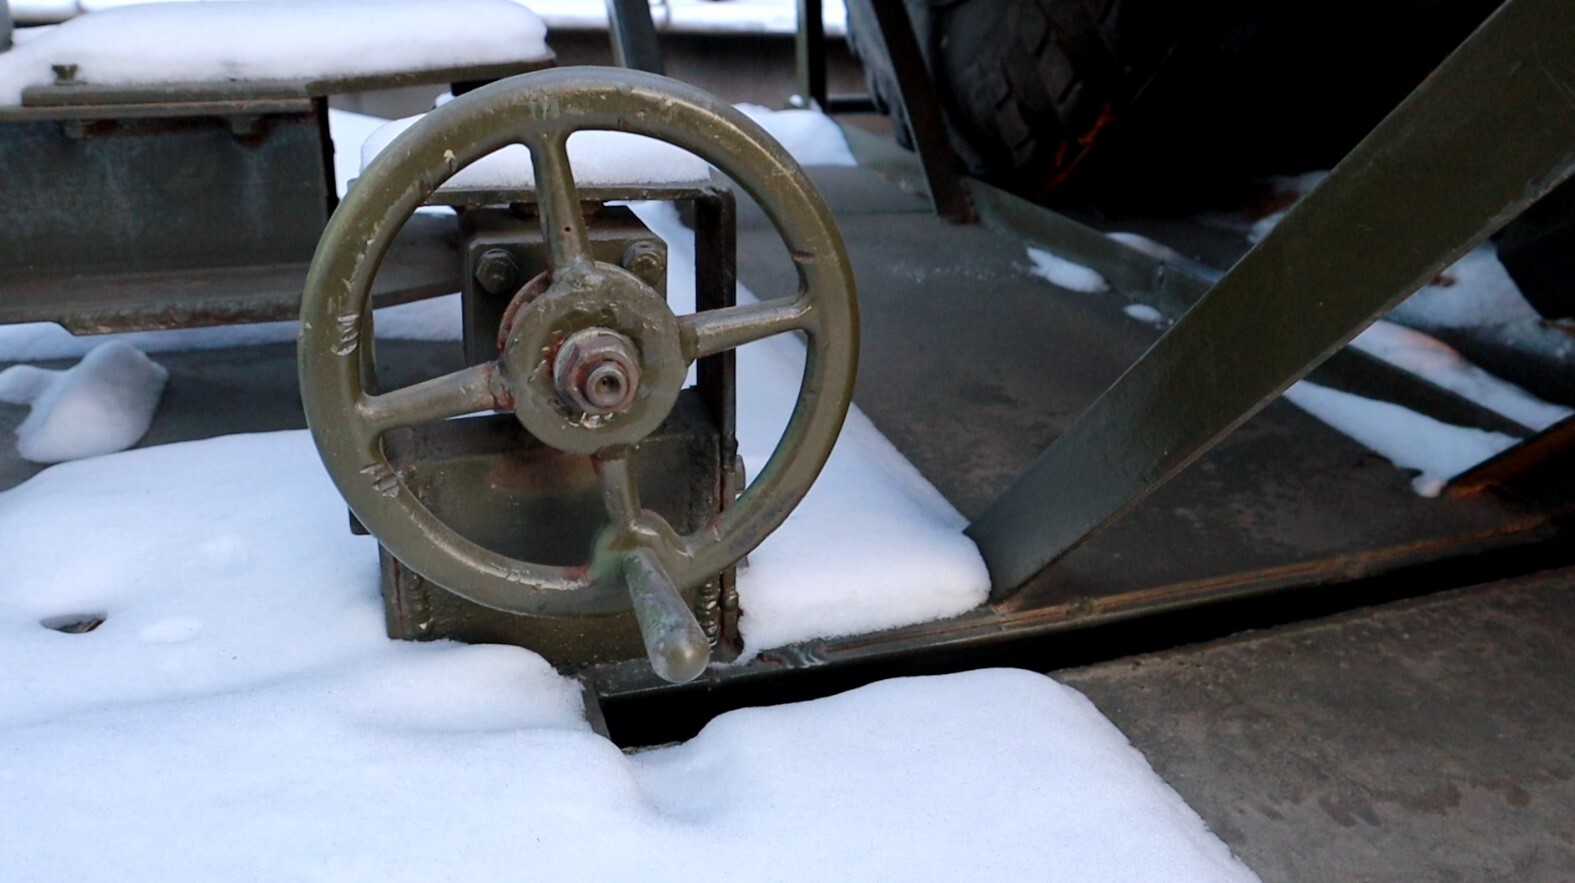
(931, 140)
(1490, 131)
(634, 36)
(1550, 450)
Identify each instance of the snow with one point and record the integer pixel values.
(1144, 313)
(1438, 363)
(1064, 273)
(598, 158)
(281, 40)
(240, 714)
(809, 135)
(349, 131)
(601, 158)
(1476, 290)
(1438, 451)
(102, 405)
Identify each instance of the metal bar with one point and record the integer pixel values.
(1543, 451)
(5, 24)
(1491, 130)
(809, 54)
(1173, 289)
(942, 168)
(634, 36)
(835, 104)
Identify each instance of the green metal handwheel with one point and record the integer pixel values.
(590, 365)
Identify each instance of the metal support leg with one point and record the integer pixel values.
(809, 55)
(5, 24)
(634, 36)
(1490, 131)
(942, 168)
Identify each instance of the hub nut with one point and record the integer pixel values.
(597, 371)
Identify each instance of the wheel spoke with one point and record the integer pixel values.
(620, 494)
(715, 331)
(562, 224)
(463, 392)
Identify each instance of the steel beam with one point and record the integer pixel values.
(634, 36)
(809, 54)
(1490, 131)
(931, 140)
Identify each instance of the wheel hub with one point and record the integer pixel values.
(594, 361)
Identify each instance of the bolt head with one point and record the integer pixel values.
(497, 272)
(645, 259)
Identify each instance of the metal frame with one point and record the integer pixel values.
(1478, 141)
(633, 33)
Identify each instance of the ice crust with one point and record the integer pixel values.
(103, 404)
(277, 40)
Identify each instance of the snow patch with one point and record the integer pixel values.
(1440, 364)
(1144, 313)
(101, 405)
(1066, 274)
(1476, 290)
(598, 158)
(1439, 451)
(809, 135)
(279, 40)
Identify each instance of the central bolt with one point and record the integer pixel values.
(597, 371)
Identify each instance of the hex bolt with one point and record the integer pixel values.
(644, 258)
(597, 371)
(497, 272)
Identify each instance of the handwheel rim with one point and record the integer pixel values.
(415, 164)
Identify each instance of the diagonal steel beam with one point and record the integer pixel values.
(1486, 134)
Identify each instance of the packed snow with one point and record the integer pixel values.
(1437, 451)
(239, 713)
(1440, 364)
(101, 405)
(279, 40)
(1064, 273)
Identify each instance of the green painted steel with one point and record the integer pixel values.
(540, 110)
(1491, 130)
